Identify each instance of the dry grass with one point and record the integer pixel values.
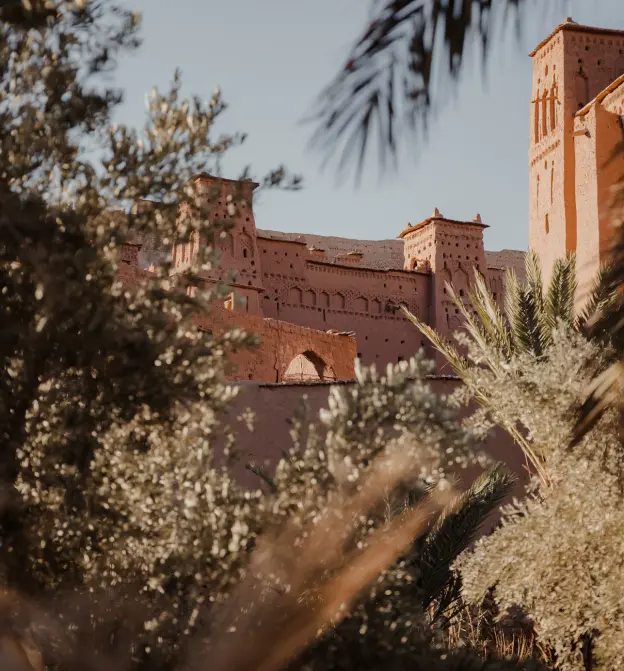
(474, 628)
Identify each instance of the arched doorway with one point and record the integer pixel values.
(308, 367)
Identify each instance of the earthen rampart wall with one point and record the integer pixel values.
(322, 295)
(275, 404)
(280, 343)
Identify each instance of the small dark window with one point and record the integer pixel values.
(245, 253)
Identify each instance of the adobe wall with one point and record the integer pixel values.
(610, 160)
(280, 343)
(552, 214)
(598, 134)
(587, 201)
(376, 254)
(322, 295)
(571, 67)
(507, 258)
(275, 404)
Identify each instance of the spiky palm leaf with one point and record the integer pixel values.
(493, 321)
(559, 303)
(385, 88)
(599, 298)
(456, 528)
(526, 326)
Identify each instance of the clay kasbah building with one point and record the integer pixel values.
(318, 302)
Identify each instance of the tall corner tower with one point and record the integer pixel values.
(570, 67)
(231, 201)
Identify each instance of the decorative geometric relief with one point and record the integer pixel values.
(460, 279)
(324, 299)
(454, 322)
(226, 243)
(338, 301)
(376, 306)
(361, 304)
(309, 298)
(295, 296)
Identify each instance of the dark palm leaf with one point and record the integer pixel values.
(456, 527)
(526, 317)
(597, 300)
(559, 304)
(389, 70)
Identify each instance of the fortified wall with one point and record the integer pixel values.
(318, 302)
(312, 286)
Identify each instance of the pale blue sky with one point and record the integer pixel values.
(271, 58)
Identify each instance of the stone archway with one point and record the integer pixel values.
(308, 367)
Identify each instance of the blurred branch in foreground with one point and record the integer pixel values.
(387, 80)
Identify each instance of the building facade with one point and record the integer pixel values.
(577, 124)
(320, 301)
(348, 288)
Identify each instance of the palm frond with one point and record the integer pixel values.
(559, 303)
(387, 76)
(462, 367)
(599, 295)
(447, 349)
(606, 391)
(476, 330)
(456, 528)
(525, 308)
(491, 317)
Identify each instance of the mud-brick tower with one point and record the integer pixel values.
(231, 201)
(570, 68)
(452, 250)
